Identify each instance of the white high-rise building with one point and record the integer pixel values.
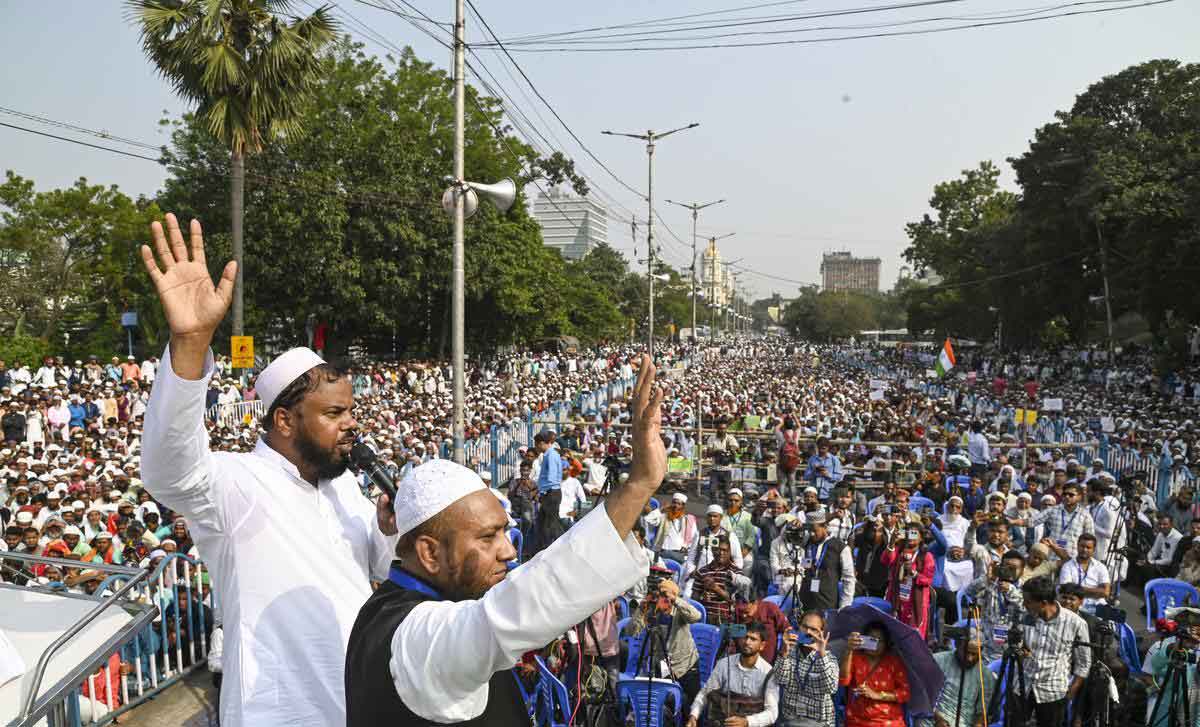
(571, 223)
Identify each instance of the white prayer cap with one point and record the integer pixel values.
(714, 510)
(680, 498)
(431, 488)
(286, 368)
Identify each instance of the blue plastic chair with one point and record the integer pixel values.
(880, 603)
(621, 627)
(772, 589)
(1164, 593)
(1129, 649)
(708, 642)
(550, 699)
(518, 541)
(781, 601)
(675, 566)
(631, 697)
(525, 695)
(963, 601)
(699, 607)
(916, 502)
(998, 720)
(623, 607)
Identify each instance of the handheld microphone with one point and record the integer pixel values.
(364, 458)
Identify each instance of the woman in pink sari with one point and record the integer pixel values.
(910, 577)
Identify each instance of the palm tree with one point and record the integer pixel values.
(248, 71)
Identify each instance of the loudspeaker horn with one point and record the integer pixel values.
(470, 201)
(502, 193)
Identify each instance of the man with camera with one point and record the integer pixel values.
(741, 691)
(669, 615)
(1055, 666)
(813, 563)
(720, 448)
(702, 550)
(717, 584)
(824, 470)
(807, 675)
(1180, 652)
(998, 602)
(840, 517)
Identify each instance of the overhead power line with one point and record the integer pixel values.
(829, 39)
(81, 143)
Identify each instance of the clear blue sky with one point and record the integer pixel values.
(816, 147)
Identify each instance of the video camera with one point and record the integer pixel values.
(708, 541)
(655, 578)
(796, 534)
(1006, 573)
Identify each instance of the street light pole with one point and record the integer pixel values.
(649, 137)
(727, 264)
(458, 305)
(1104, 275)
(695, 207)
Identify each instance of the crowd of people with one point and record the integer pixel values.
(819, 475)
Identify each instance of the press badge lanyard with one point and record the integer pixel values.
(406, 580)
(1064, 523)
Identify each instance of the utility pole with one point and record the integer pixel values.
(1104, 275)
(695, 207)
(727, 264)
(649, 137)
(458, 306)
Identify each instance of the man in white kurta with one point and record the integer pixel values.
(291, 563)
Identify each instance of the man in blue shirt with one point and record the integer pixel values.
(550, 476)
(824, 470)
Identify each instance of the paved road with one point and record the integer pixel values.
(188, 703)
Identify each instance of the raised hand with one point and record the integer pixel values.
(193, 306)
(649, 455)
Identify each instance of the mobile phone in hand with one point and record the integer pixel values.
(869, 643)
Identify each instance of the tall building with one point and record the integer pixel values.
(843, 271)
(570, 223)
(715, 281)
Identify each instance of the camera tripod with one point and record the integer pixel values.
(653, 636)
(1012, 675)
(1174, 693)
(1095, 689)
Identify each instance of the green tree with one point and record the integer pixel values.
(347, 222)
(249, 72)
(69, 260)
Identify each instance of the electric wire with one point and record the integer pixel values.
(839, 38)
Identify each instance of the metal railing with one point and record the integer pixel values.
(61, 703)
(236, 413)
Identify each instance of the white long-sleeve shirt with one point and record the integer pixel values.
(730, 675)
(444, 652)
(292, 563)
(1163, 550)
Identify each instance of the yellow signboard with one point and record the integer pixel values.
(242, 351)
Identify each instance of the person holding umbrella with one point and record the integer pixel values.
(911, 568)
(875, 679)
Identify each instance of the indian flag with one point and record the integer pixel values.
(945, 360)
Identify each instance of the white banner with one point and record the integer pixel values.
(878, 384)
(1052, 404)
(876, 395)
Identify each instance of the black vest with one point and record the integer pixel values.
(371, 698)
(828, 575)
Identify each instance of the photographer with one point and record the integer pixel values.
(720, 448)
(841, 514)
(700, 553)
(670, 616)
(911, 568)
(1179, 649)
(824, 470)
(807, 675)
(741, 690)
(717, 584)
(1064, 523)
(1054, 666)
(997, 597)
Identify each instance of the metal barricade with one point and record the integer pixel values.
(67, 703)
(178, 640)
(236, 413)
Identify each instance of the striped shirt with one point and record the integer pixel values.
(1054, 660)
(1064, 527)
(807, 684)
